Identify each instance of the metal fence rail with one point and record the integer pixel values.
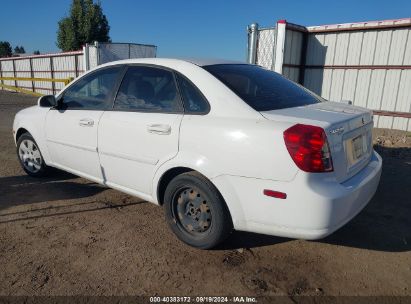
(65, 81)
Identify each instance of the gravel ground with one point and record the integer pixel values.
(67, 236)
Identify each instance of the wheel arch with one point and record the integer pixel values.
(33, 132)
(226, 191)
(20, 132)
(187, 161)
(166, 178)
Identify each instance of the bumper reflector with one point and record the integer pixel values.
(275, 194)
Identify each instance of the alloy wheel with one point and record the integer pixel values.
(30, 156)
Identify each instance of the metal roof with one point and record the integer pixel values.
(366, 25)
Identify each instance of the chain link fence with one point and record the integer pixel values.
(108, 52)
(266, 47)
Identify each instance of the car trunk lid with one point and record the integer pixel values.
(348, 129)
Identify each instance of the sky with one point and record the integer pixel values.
(183, 28)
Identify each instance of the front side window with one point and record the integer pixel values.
(194, 101)
(92, 91)
(148, 89)
(262, 89)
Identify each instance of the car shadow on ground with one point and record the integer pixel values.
(241, 239)
(384, 224)
(23, 189)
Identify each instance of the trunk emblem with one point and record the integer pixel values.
(337, 130)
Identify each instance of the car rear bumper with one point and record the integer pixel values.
(316, 205)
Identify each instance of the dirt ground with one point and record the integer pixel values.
(67, 236)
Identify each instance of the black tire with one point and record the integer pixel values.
(32, 162)
(196, 211)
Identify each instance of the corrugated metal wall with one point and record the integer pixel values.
(368, 63)
(292, 54)
(366, 66)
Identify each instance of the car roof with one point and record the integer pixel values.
(212, 88)
(196, 61)
(205, 62)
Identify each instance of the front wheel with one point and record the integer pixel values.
(30, 156)
(196, 211)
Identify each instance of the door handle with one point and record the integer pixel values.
(86, 122)
(159, 129)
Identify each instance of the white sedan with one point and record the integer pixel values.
(221, 145)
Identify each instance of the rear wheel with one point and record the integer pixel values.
(30, 156)
(196, 212)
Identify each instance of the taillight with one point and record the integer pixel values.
(308, 147)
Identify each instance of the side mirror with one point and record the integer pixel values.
(47, 101)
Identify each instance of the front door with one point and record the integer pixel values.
(142, 130)
(71, 129)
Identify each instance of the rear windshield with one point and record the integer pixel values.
(262, 89)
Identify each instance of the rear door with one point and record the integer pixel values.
(142, 130)
(71, 130)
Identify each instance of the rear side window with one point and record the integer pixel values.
(262, 89)
(194, 101)
(148, 89)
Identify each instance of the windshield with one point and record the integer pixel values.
(262, 89)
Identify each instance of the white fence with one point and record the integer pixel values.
(66, 65)
(368, 63)
(56, 66)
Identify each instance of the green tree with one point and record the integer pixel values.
(5, 49)
(19, 50)
(85, 24)
(37, 52)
